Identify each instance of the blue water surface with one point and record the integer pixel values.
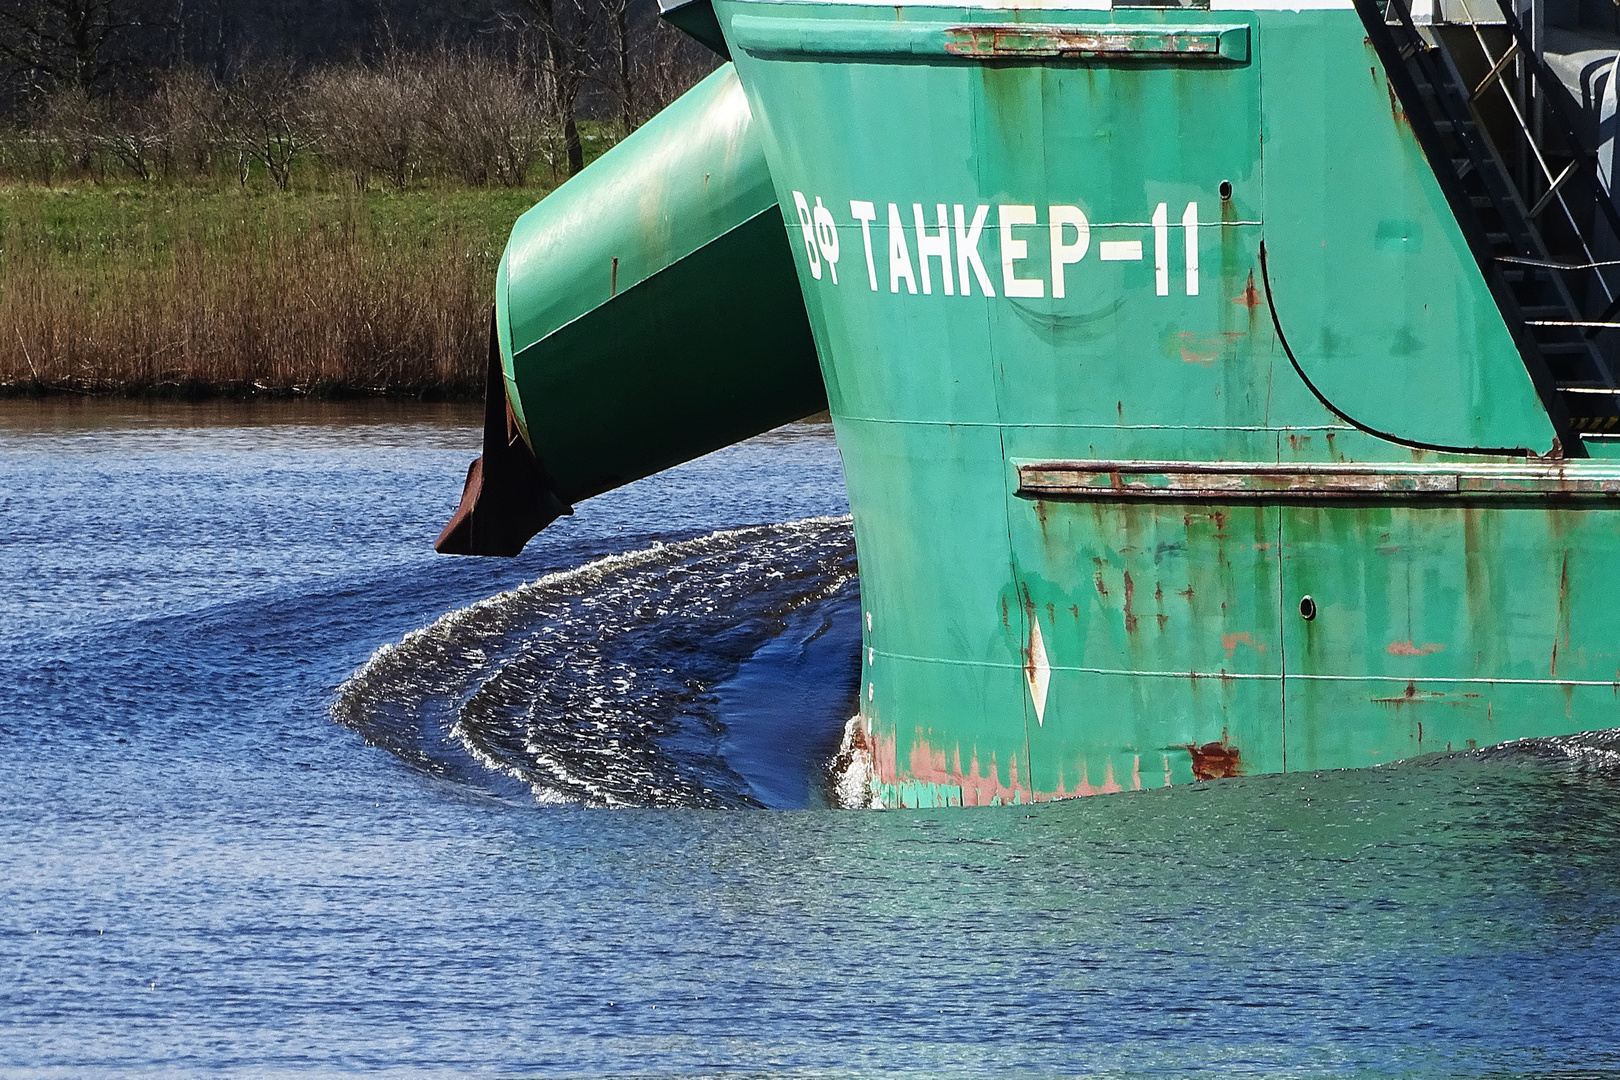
(202, 871)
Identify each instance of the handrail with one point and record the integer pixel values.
(1407, 59)
(1549, 88)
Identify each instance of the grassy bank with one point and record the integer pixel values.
(197, 291)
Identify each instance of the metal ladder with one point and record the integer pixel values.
(1532, 222)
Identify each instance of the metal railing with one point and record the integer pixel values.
(1536, 219)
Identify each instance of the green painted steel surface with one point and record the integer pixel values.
(1031, 239)
(1023, 648)
(1374, 285)
(647, 311)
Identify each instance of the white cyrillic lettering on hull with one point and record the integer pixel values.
(1016, 250)
(899, 254)
(866, 213)
(807, 225)
(935, 246)
(1063, 254)
(1120, 251)
(1068, 238)
(967, 249)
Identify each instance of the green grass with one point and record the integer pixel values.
(87, 218)
(87, 224)
(217, 287)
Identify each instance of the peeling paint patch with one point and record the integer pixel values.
(1130, 593)
(1230, 642)
(1086, 788)
(932, 783)
(1205, 349)
(1407, 648)
(1110, 785)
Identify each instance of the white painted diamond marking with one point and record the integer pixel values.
(1038, 671)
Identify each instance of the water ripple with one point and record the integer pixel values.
(592, 685)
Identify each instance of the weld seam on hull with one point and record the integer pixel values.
(1092, 427)
(1424, 680)
(1401, 680)
(1086, 670)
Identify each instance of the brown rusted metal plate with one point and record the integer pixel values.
(774, 34)
(1216, 760)
(1086, 480)
(1015, 41)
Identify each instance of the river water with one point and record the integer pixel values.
(283, 792)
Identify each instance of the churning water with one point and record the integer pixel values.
(594, 685)
(200, 871)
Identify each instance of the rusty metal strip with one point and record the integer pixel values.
(1495, 72)
(1016, 40)
(766, 35)
(1252, 481)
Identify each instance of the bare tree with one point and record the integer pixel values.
(263, 122)
(616, 14)
(370, 120)
(67, 133)
(87, 44)
(187, 107)
(134, 135)
(559, 33)
(483, 123)
(667, 65)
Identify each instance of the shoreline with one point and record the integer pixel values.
(187, 391)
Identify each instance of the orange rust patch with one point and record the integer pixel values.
(1230, 642)
(1407, 648)
(1215, 760)
(1205, 349)
(1250, 296)
(1563, 612)
(928, 765)
(1110, 785)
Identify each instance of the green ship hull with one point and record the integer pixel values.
(1187, 434)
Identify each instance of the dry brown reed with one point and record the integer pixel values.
(322, 307)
